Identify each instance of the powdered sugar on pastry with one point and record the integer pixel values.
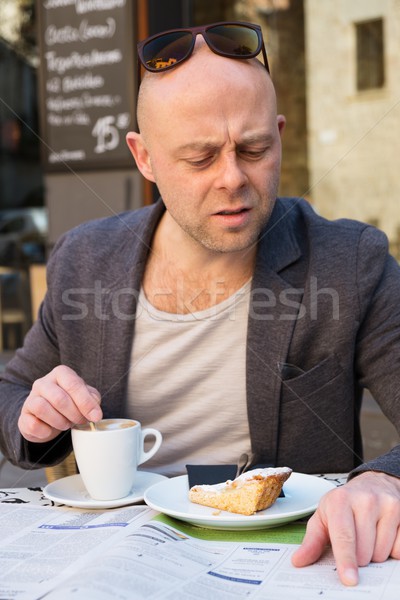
(250, 492)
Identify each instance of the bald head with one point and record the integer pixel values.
(207, 101)
(210, 138)
(203, 74)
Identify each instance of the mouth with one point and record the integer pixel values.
(233, 219)
(238, 211)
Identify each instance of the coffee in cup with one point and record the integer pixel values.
(107, 425)
(108, 455)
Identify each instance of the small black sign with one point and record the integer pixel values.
(88, 75)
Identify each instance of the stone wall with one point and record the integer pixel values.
(353, 135)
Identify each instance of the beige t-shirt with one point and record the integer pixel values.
(188, 379)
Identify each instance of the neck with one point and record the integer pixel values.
(173, 245)
(182, 276)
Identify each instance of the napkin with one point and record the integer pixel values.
(210, 474)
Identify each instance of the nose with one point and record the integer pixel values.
(231, 176)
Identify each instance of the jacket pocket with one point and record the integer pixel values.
(305, 383)
(316, 420)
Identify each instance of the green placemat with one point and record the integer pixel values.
(292, 533)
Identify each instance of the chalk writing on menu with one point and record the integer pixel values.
(87, 82)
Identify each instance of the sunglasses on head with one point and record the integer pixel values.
(166, 50)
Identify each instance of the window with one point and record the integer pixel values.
(370, 59)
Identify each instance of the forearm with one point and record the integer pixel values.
(12, 398)
(28, 364)
(388, 463)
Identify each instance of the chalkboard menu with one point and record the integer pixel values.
(87, 72)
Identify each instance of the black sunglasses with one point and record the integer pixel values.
(168, 49)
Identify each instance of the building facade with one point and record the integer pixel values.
(335, 67)
(353, 110)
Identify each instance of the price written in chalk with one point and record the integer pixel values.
(106, 131)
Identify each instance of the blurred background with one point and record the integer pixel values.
(68, 77)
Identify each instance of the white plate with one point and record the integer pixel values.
(71, 491)
(302, 494)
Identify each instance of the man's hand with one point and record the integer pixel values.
(361, 521)
(56, 403)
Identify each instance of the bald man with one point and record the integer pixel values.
(229, 319)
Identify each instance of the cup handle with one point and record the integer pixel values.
(157, 443)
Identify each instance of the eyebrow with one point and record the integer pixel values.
(197, 147)
(257, 138)
(263, 138)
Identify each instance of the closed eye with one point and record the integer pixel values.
(201, 163)
(249, 154)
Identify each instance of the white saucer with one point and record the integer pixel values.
(71, 491)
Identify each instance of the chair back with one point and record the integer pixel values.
(37, 280)
(15, 318)
(37, 276)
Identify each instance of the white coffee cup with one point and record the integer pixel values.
(108, 456)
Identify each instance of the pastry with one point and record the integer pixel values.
(250, 492)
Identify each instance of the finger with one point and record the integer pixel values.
(84, 399)
(387, 530)
(314, 543)
(53, 405)
(95, 393)
(395, 552)
(77, 389)
(342, 533)
(35, 430)
(385, 542)
(377, 518)
(365, 523)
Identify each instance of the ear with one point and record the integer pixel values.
(141, 155)
(281, 120)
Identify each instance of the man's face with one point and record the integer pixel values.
(215, 153)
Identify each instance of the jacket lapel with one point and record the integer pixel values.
(274, 308)
(119, 306)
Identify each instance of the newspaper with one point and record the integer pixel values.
(41, 546)
(132, 553)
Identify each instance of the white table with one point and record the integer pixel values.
(34, 495)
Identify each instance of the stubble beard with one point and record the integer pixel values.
(228, 241)
(234, 240)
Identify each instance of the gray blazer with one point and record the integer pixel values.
(324, 322)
